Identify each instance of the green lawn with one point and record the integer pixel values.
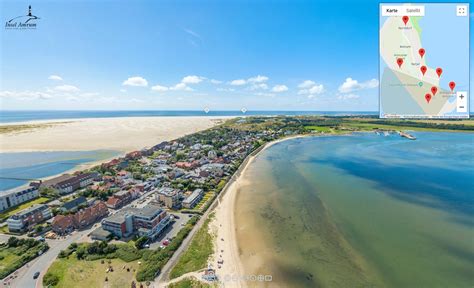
(82, 273)
(13, 257)
(5, 214)
(189, 283)
(198, 252)
(325, 129)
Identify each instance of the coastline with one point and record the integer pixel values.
(121, 134)
(232, 272)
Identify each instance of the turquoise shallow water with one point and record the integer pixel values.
(362, 211)
(15, 168)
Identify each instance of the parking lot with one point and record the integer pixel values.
(172, 230)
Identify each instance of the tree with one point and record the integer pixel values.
(140, 242)
(12, 242)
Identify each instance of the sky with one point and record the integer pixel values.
(191, 55)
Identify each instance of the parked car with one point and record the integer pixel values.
(36, 275)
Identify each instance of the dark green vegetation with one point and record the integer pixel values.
(198, 252)
(17, 252)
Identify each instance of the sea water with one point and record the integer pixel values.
(361, 211)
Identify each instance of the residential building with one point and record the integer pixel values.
(168, 196)
(193, 199)
(148, 221)
(76, 182)
(74, 204)
(81, 219)
(27, 218)
(15, 197)
(120, 199)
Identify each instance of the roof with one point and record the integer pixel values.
(100, 233)
(112, 201)
(167, 191)
(18, 191)
(33, 209)
(196, 193)
(74, 203)
(62, 221)
(56, 180)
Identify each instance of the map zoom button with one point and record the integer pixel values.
(461, 101)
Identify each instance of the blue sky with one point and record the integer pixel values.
(179, 55)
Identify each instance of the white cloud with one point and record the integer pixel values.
(66, 88)
(25, 95)
(310, 88)
(348, 96)
(192, 79)
(181, 87)
(265, 94)
(135, 81)
(258, 79)
(191, 32)
(123, 90)
(306, 84)
(55, 77)
(257, 86)
(159, 88)
(225, 89)
(214, 81)
(279, 88)
(351, 85)
(238, 82)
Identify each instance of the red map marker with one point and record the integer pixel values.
(400, 62)
(439, 71)
(423, 69)
(434, 90)
(428, 97)
(452, 85)
(421, 52)
(405, 19)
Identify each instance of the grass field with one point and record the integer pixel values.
(198, 252)
(319, 128)
(5, 214)
(188, 283)
(87, 274)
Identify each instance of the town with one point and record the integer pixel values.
(147, 196)
(151, 198)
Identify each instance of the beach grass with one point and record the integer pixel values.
(7, 213)
(7, 129)
(198, 252)
(85, 274)
(189, 282)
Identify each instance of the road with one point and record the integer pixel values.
(25, 274)
(172, 230)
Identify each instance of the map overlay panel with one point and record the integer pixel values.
(424, 60)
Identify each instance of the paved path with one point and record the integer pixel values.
(41, 264)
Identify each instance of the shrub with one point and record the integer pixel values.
(50, 279)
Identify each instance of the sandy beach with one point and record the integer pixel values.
(120, 134)
(226, 248)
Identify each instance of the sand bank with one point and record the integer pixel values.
(120, 134)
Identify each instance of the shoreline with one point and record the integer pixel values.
(232, 271)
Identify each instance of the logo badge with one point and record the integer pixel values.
(28, 21)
